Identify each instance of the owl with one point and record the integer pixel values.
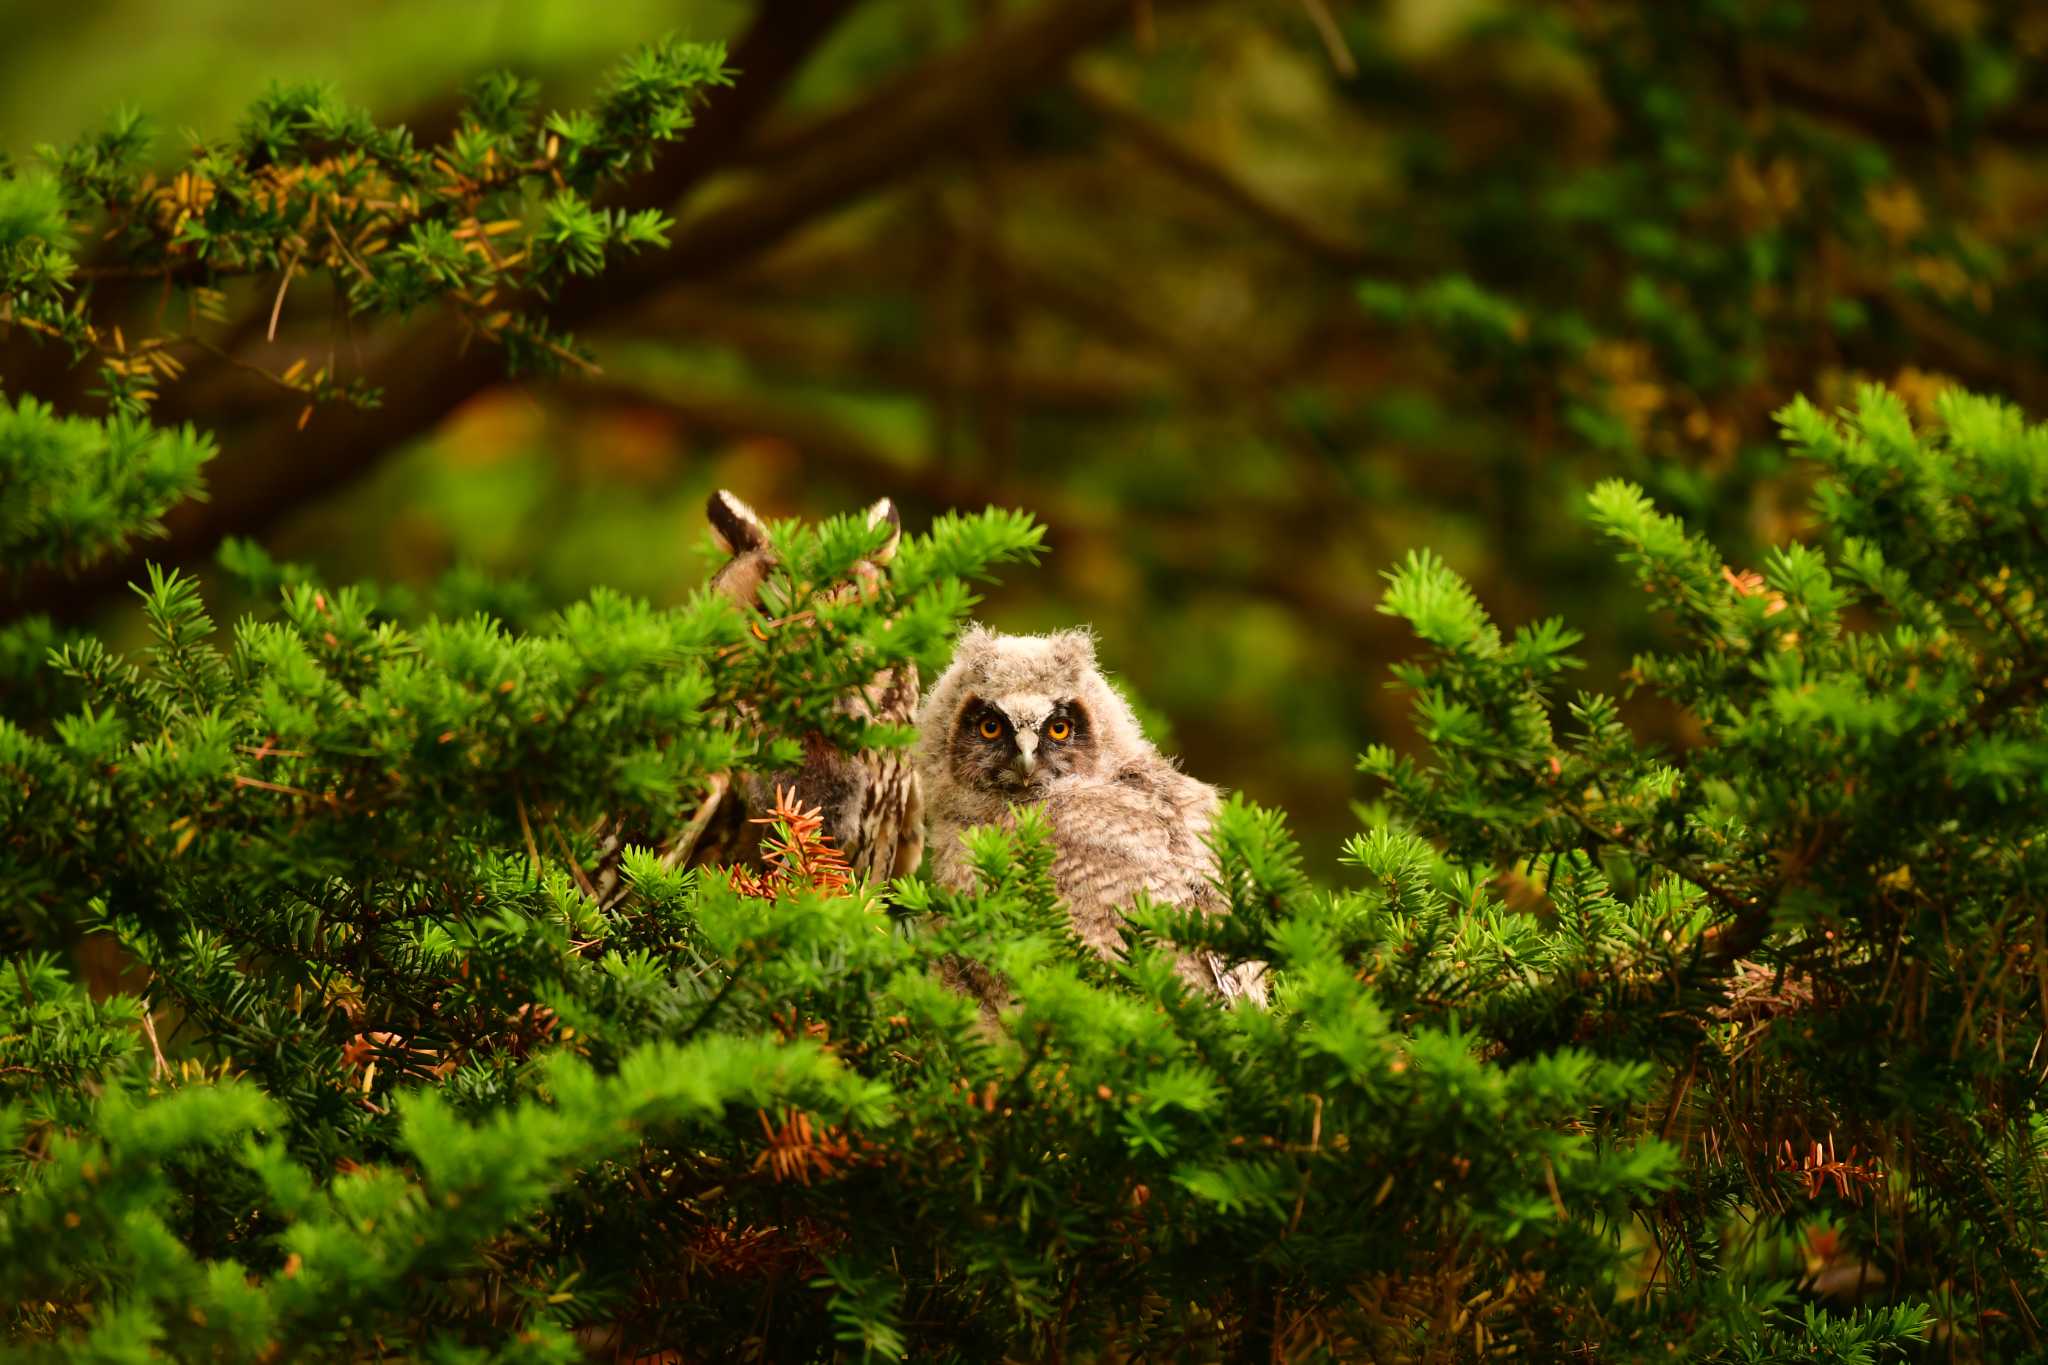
(870, 798)
(873, 808)
(1024, 719)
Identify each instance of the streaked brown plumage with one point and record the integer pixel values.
(871, 800)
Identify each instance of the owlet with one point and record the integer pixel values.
(1023, 719)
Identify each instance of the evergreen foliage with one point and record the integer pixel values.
(1774, 1000)
(1729, 1052)
(73, 489)
(492, 223)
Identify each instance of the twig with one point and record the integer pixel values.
(526, 828)
(162, 1067)
(341, 249)
(227, 358)
(685, 843)
(1315, 1147)
(277, 304)
(241, 781)
(1556, 1198)
(575, 868)
(1997, 600)
(1333, 38)
(732, 980)
(1214, 179)
(1678, 1096)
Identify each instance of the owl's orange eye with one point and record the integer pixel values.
(1059, 732)
(991, 728)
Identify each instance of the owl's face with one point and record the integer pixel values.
(1018, 744)
(1013, 718)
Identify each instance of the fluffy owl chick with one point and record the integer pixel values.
(1023, 719)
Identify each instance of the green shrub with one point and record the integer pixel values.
(1601, 1046)
(1729, 1052)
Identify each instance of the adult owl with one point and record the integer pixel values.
(1024, 719)
(870, 797)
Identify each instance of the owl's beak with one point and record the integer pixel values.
(1026, 758)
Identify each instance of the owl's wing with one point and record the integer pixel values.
(1246, 981)
(1118, 838)
(1145, 833)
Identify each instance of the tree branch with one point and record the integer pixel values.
(923, 113)
(1220, 183)
(1821, 93)
(927, 112)
(781, 39)
(802, 348)
(923, 481)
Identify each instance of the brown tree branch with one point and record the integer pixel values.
(781, 39)
(1821, 93)
(802, 349)
(1218, 375)
(926, 112)
(273, 468)
(828, 444)
(1212, 178)
(925, 482)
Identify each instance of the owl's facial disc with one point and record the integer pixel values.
(1018, 744)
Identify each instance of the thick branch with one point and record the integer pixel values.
(926, 112)
(827, 443)
(781, 39)
(275, 467)
(1217, 181)
(921, 480)
(804, 349)
(923, 113)
(1214, 374)
(1822, 94)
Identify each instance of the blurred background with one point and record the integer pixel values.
(1245, 300)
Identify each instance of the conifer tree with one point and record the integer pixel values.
(490, 225)
(1730, 1054)
(1765, 1040)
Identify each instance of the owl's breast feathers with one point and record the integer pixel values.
(1136, 831)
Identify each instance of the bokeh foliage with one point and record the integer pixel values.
(1242, 326)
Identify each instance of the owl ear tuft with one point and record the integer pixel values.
(739, 528)
(976, 646)
(884, 512)
(1075, 649)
